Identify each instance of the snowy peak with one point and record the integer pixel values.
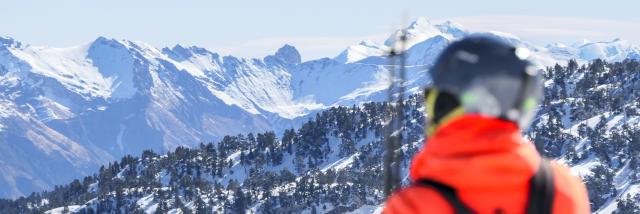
(105, 52)
(181, 53)
(8, 41)
(452, 28)
(614, 50)
(112, 44)
(426, 52)
(581, 43)
(115, 63)
(178, 53)
(106, 41)
(421, 29)
(360, 51)
(288, 54)
(136, 48)
(561, 51)
(417, 32)
(505, 37)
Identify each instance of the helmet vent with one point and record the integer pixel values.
(467, 57)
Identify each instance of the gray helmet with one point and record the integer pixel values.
(490, 77)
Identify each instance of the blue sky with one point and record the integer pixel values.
(316, 28)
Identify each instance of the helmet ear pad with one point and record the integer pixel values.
(444, 104)
(441, 107)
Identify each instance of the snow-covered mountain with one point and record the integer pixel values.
(615, 50)
(332, 163)
(65, 111)
(106, 99)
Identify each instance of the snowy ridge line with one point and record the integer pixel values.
(68, 110)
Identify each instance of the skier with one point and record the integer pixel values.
(476, 160)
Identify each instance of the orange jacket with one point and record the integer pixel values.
(489, 163)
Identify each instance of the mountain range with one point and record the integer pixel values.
(66, 111)
(333, 162)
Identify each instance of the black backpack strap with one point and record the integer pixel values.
(449, 194)
(541, 190)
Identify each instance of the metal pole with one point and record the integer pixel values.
(389, 142)
(394, 133)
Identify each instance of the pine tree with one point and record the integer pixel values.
(119, 199)
(628, 205)
(162, 207)
(601, 186)
(240, 201)
(200, 206)
(298, 162)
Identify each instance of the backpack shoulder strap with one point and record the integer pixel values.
(449, 194)
(541, 190)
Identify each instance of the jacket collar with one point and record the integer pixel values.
(473, 134)
(473, 145)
